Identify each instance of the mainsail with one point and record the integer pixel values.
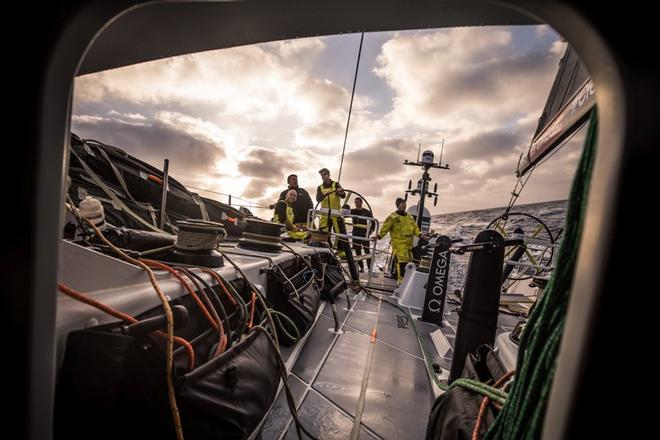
(570, 99)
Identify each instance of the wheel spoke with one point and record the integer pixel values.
(535, 254)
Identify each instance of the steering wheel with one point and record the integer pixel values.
(538, 251)
(348, 193)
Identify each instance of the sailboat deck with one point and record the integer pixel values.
(378, 282)
(326, 369)
(326, 378)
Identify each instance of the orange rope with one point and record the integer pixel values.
(253, 302)
(224, 288)
(169, 360)
(484, 406)
(89, 301)
(124, 317)
(218, 279)
(223, 345)
(222, 338)
(202, 293)
(184, 283)
(480, 418)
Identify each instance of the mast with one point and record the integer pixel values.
(423, 184)
(422, 196)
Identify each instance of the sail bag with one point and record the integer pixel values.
(297, 296)
(113, 385)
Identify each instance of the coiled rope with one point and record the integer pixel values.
(199, 235)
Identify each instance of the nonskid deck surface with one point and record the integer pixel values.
(378, 282)
(326, 378)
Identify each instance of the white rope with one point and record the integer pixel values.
(197, 240)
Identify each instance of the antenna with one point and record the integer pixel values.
(423, 184)
(442, 149)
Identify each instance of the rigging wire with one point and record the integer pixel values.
(522, 182)
(350, 107)
(343, 151)
(251, 203)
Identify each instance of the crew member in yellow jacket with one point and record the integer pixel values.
(284, 214)
(402, 227)
(330, 193)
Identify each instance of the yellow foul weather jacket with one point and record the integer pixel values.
(298, 235)
(332, 201)
(402, 228)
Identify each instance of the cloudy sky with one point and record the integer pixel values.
(237, 121)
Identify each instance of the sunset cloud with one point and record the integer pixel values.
(190, 153)
(463, 80)
(237, 121)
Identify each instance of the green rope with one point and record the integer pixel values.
(241, 304)
(522, 414)
(425, 354)
(279, 315)
(492, 393)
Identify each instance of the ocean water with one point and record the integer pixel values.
(466, 225)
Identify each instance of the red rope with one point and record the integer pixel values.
(221, 284)
(222, 337)
(253, 302)
(484, 406)
(186, 286)
(222, 342)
